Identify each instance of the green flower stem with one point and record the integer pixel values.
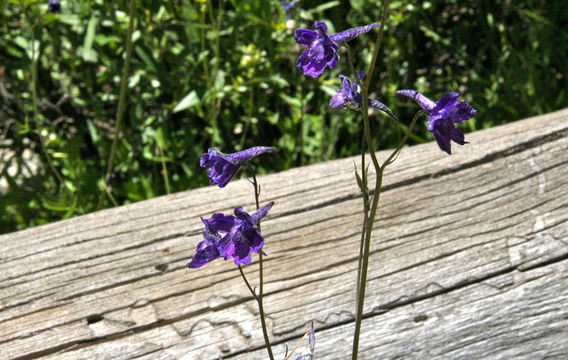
(214, 105)
(259, 297)
(368, 228)
(368, 225)
(247, 283)
(110, 195)
(364, 186)
(121, 102)
(165, 172)
(377, 46)
(394, 155)
(35, 98)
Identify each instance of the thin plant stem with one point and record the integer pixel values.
(121, 101)
(247, 283)
(377, 45)
(393, 156)
(35, 98)
(110, 195)
(165, 172)
(378, 184)
(259, 298)
(214, 102)
(302, 104)
(261, 309)
(364, 187)
(249, 118)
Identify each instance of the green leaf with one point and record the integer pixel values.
(188, 101)
(87, 52)
(325, 6)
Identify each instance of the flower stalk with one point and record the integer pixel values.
(369, 220)
(121, 105)
(259, 298)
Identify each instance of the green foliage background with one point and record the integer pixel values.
(222, 73)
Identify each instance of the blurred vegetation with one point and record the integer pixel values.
(222, 73)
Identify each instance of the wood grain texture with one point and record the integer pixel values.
(469, 261)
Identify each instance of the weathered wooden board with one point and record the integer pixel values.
(470, 261)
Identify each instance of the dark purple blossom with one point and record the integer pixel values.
(230, 236)
(349, 97)
(222, 167)
(322, 47)
(53, 6)
(442, 116)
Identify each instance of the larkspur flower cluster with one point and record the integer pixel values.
(230, 236)
(322, 53)
(238, 236)
(442, 117)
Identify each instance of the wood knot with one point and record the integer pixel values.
(420, 318)
(161, 267)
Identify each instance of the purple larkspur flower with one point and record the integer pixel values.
(230, 236)
(322, 47)
(54, 6)
(222, 167)
(442, 116)
(349, 97)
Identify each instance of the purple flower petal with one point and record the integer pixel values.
(229, 236)
(422, 100)
(219, 223)
(380, 106)
(349, 97)
(261, 213)
(351, 34)
(442, 117)
(462, 112)
(322, 47)
(305, 36)
(338, 100)
(445, 102)
(206, 252)
(443, 141)
(457, 136)
(222, 167)
(242, 157)
(320, 25)
(244, 216)
(321, 54)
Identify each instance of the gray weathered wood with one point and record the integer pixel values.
(469, 261)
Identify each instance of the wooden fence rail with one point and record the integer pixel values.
(469, 261)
